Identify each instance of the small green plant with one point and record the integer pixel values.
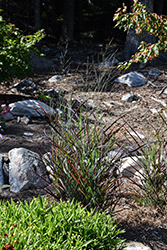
(79, 162)
(142, 20)
(15, 51)
(41, 225)
(43, 97)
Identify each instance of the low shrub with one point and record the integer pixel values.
(15, 51)
(41, 225)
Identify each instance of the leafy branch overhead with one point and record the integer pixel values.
(15, 51)
(141, 21)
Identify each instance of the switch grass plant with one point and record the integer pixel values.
(65, 225)
(78, 161)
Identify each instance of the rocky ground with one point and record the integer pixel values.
(83, 80)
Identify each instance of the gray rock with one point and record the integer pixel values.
(38, 62)
(141, 136)
(75, 104)
(109, 62)
(53, 93)
(156, 111)
(55, 78)
(8, 116)
(25, 119)
(132, 79)
(23, 163)
(1, 172)
(45, 50)
(28, 134)
(26, 108)
(136, 246)
(26, 87)
(47, 160)
(164, 91)
(130, 98)
(131, 165)
(154, 72)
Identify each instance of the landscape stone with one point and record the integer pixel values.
(132, 79)
(41, 63)
(109, 62)
(154, 72)
(53, 93)
(131, 164)
(23, 164)
(55, 78)
(26, 87)
(47, 160)
(26, 108)
(25, 119)
(8, 116)
(130, 97)
(141, 136)
(136, 246)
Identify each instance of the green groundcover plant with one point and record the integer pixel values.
(141, 21)
(15, 51)
(65, 225)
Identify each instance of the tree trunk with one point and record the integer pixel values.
(132, 40)
(79, 14)
(159, 7)
(68, 21)
(37, 15)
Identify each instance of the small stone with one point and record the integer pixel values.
(18, 119)
(53, 93)
(8, 116)
(55, 78)
(28, 134)
(132, 79)
(154, 72)
(130, 98)
(25, 119)
(131, 164)
(164, 91)
(155, 111)
(136, 246)
(109, 62)
(26, 87)
(138, 135)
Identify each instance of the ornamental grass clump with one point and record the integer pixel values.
(150, 180)
(78, 161)
(65, 225)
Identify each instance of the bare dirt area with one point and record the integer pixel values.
(87, 81)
